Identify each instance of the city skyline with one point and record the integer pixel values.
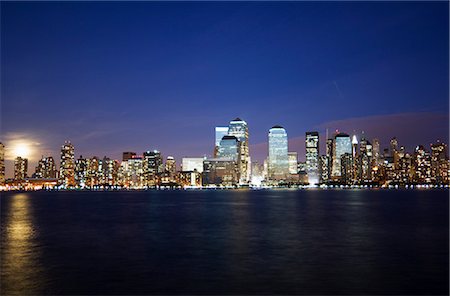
(347, 160)
(111, 87)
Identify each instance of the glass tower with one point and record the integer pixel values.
(312, 157)
(278, 153)
(229, 148)
(239, 129)
(342, 145)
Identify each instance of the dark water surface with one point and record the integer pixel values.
(225, 242)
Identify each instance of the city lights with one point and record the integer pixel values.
(347, 163)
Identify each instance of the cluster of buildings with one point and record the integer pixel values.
(347, 162)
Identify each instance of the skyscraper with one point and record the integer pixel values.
(229, 147)
(293, 162)
(312, 157)
(20, 168)
(2, 164)
(439, 162)
(278, 164)
(67, 165)
(220, 131)
(239, 129)
(81, 171)
(152, 165)
(330, 155)
(46, 168)
(171, 165)
(342, 145)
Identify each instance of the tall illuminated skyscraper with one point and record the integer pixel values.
(293, 162)
(81, 171)
(342, 145)
(229, 147)
(67, 165)
(20, 168)
(278, 164)
(220, 131)
(152, 165)
(239, 129)
(2, 164)
(46, 168)
(171, 165)
(329, 155)
(312, 157)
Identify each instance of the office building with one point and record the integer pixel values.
(312, 157)
(239, 129)
(293, 162)
(342, 145)
(67, 165)
(20, 168)
(46, 168)
(220, 172)
(190, 164)
(220, 131)
(229, 147)
(81, 172)
(278, 164)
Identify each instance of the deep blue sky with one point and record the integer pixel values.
(118, 76)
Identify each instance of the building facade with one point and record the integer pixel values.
(278, 161)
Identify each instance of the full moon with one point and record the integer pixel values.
(21, 150)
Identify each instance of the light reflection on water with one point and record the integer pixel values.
(20, 270)
(216, 242)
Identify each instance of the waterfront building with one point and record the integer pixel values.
(20, 168)
(220, 172)
(329, 155)
(109, 171)
(346, 168)
(312, 157)
(93, 172)
(405, 171)
(439, 163)
(323, 169)
(293, 162)
(190, 164)
(278, 153)
(342, 145)
(229, 147)
(2, 164)
(364, 161)
(171, 165)
(422, 162)
(67, 165)
(220, 131)
(152, 166)
(135, 176)
(239, 129)
(189, 178)
(81, 172)
(46, 168)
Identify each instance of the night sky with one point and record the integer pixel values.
(120, 76)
